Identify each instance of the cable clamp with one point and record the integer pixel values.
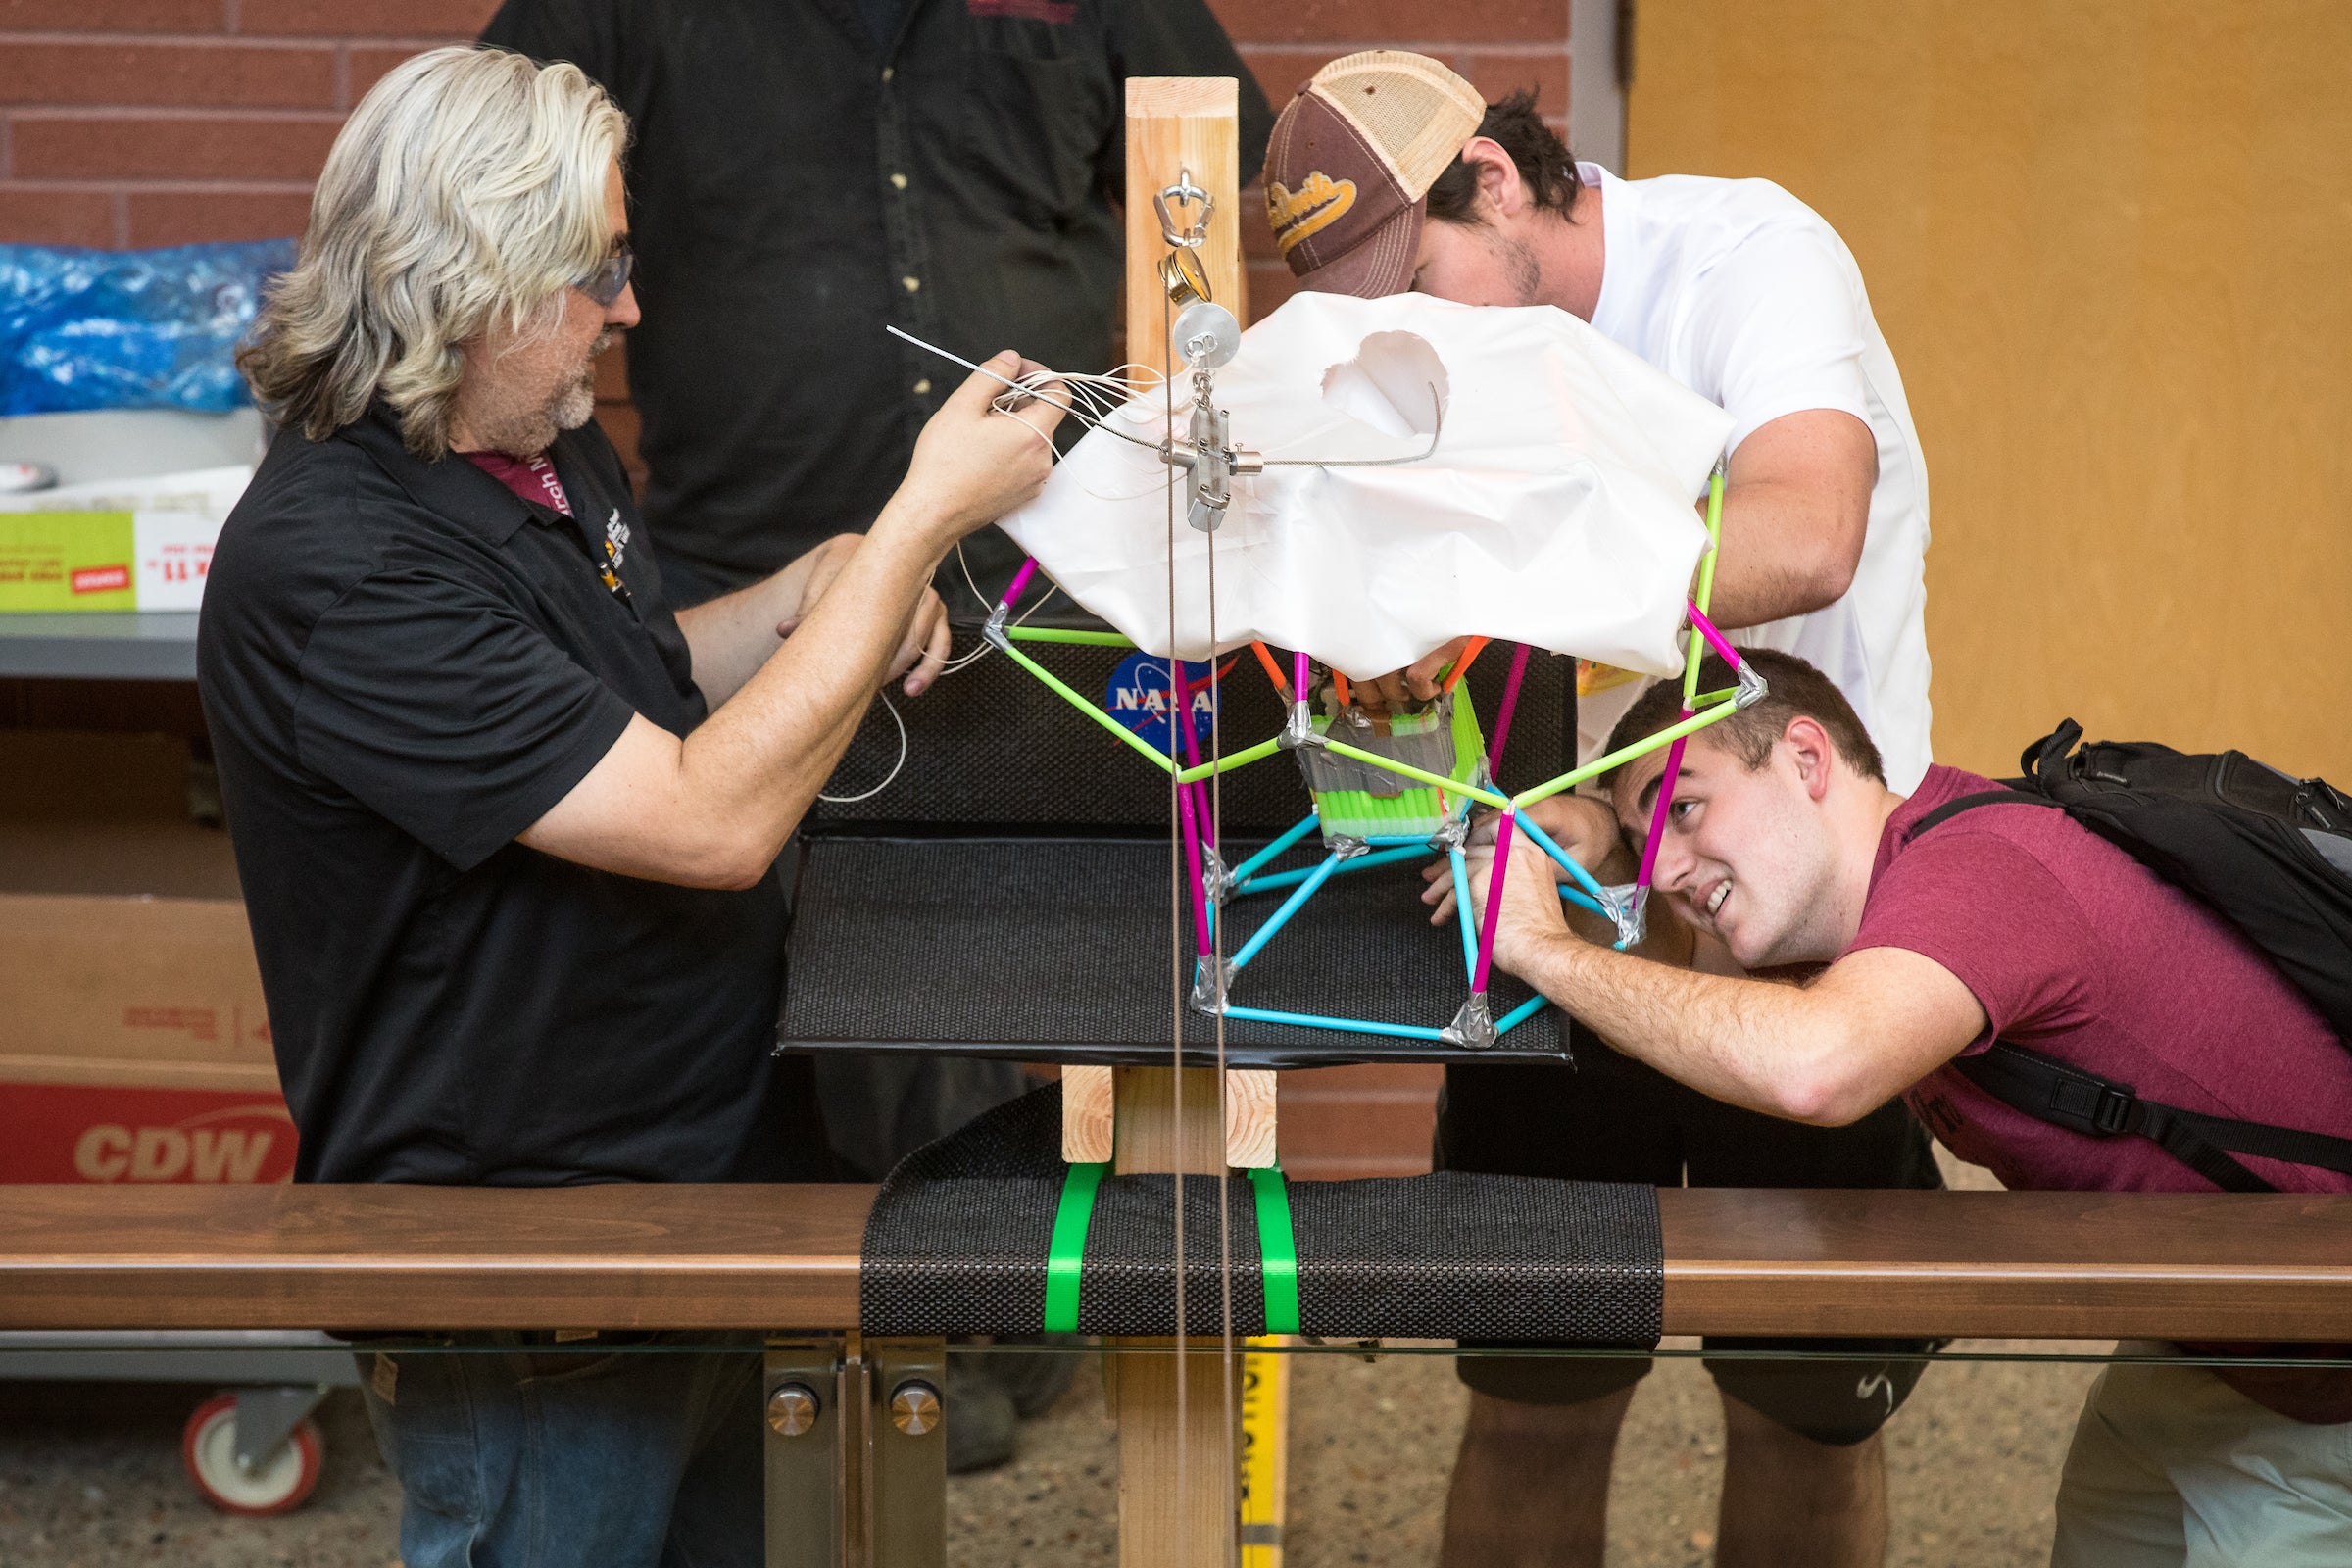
(993, 631)
(1753, 688)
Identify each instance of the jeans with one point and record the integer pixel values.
(513, 1455)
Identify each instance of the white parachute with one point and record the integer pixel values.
(1555, 505)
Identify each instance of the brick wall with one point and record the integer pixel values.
(142, 123)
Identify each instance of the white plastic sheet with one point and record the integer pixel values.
(1556, 509)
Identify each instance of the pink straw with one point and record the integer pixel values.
(1510, 703)
(1192, 860)
(1657, 812)
(1715, 639)
(1485, 928)
(1183, 719)
(1298, 675)
(1020, 582)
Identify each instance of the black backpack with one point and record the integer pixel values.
(2270, 854)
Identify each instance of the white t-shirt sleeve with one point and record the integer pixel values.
(1779, 329)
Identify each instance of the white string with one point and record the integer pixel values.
(891, 708)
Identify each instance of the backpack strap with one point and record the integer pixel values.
(2066, 1095)
(1969, 802)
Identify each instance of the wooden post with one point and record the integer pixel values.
(1176, 126)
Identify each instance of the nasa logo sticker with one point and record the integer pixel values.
(1141, 696)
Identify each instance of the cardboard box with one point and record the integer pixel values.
(135, 1044)
(129, 544)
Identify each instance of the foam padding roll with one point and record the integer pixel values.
(959, 1238)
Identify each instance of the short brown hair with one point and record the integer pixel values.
(1796, 691)
(1545, 166)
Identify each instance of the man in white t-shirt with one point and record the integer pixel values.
(1389, 173)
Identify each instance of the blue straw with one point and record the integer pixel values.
(1583, 902)
(1362, 863)
(1567, 861)
(1379, 839)
(1518, 1016)
(1461, 910)
(1282, 916)
(1309, 1020)
(1288, 838)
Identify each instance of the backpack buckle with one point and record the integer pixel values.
(2104, 1108)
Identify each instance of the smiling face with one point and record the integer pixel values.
(1762, 859)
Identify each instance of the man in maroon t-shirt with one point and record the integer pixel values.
(1784, 846)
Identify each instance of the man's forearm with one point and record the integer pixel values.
(731, 636)
(755, 767)
(1750, 1043)
(1776, 559)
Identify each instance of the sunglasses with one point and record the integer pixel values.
(612, 275)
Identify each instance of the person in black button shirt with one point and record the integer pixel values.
(807, 170)
(507, 825)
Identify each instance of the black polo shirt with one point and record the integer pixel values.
(802, 171)
(403, 665)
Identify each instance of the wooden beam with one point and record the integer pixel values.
(1984, 1266)
(1174, 123)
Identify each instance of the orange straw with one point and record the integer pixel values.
(1339, 684)
(1282, 687)
(1461, 665)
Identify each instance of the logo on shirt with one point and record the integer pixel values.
(1318, 203)
(616, 539)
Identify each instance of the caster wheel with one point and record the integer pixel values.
(277, 1483)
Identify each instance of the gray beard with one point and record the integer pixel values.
(525, 433)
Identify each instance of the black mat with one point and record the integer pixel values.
(1043, 948)
(959, 1237)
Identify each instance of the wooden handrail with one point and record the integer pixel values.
(2026, 1266)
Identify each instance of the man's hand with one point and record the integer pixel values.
(972, 464)
(1582, 827)
(926, 634)
(1531, 899)
(1416, 682)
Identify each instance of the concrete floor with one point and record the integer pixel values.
(91, 1478)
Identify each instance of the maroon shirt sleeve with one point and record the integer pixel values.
(1998, 920)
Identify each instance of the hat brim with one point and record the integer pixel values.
(1377, 265)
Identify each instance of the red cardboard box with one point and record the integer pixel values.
(134, 1045)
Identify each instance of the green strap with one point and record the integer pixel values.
(1065, 1255)
(1277, 1249)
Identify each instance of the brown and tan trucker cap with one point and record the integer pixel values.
(1351, 160)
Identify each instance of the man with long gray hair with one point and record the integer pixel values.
(507, 825)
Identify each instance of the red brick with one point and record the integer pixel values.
(1318, 1168)
(56, 216)
(369, 62)
(1383, 1077)
(1358, 1129)
(193, 217)
(1401, 23)
(338, 19)
(112, 16)
(1281, 73)
(1496, 74)
(208, 74)
(83, 146)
